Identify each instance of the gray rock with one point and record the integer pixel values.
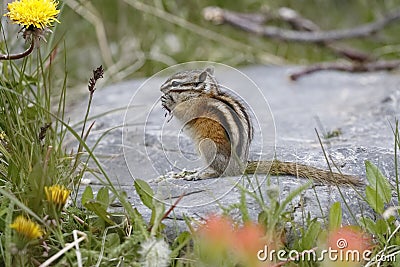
(362, 106)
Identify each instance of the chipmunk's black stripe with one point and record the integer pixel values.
(239, 147)
(224, 122)
(242, 109)
(181, 90)
(232, 111)
(195, 84)
(248, 120)
(232, 107)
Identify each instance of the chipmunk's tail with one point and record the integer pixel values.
(277, 167)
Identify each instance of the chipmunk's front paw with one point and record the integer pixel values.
(206, 174)
(184, 174)
(192, 177)
(189, 175)
(195, 175)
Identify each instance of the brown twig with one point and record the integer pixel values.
(173, 206)
(308, 32)
(350, 53)
(220, 15)
(297, 21)
(19, 55)
(353, 67)
(300, 23)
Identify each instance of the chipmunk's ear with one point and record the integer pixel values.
(203, 76)
(210, 70)
(212, 85)
(204, 73)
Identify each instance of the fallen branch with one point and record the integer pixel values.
(300, 23)
(350, 53)
(219, 15)
(297, 21)
(378, 65)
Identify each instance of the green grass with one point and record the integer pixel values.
(33, 127)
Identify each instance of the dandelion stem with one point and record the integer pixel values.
(19, 55)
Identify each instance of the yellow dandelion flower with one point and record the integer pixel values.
(2, 135)
(36, 13)
(26, 228)
(56, 194)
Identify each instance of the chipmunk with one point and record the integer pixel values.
(222, 130)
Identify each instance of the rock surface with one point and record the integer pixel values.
(362, 106)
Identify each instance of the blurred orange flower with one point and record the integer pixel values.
(248, 240)
(352, 246)
(217, 230)
(220, 237)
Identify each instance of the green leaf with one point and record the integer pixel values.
(335, 216)
(87, 195)
(243, 207)
(382, 228)
(35, 187)
(103, 197)
(368, 224)
(156, 216)
(112, 241)
(263, 217)
(145, 193)
(379, 228)
(374, 199)
(179, 242)
(310, 237)
(99, 210)
(292, 195)
(132, 213)
(7, 235)
(378, 182)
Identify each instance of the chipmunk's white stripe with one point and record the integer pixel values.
(231, 118)
(241, 120)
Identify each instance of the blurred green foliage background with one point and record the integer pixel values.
(138, 38)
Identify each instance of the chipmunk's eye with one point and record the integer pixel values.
(175, 83)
